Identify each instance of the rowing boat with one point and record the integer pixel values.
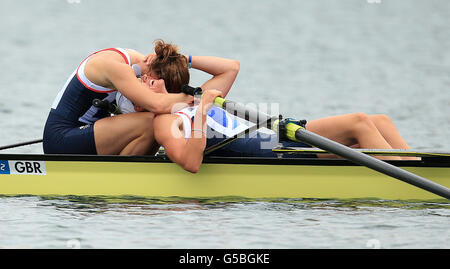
(357, 176)
(252, 178)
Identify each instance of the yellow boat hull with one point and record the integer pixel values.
(253, 179)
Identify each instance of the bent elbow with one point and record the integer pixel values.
(159, 108)
(192, 164)
(236, 66)
(192, 168)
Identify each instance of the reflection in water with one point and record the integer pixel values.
(224, 222)
(137, 205)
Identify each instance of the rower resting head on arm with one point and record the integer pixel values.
(185, 149)
(166, 64)
(169, 128)
(224, 72)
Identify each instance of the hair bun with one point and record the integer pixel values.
(165, 51)
(170, 66)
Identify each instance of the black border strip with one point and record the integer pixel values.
(425, 162)
(223, 258)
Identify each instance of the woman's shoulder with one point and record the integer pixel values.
(134, 54)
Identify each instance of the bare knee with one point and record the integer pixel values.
(361, 123)
(381, 119)
(360, 117)
(147, 116)
(129, 131)
(146, 125)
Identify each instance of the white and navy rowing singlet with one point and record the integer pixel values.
(74, 100)
(69, 126)
(222, 125)
(217, 119)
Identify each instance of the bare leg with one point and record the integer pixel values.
(388, 130)
(351, 129)
(126, 134)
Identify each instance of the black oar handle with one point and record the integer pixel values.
(102, 104)
(191, 90)
(105, 105)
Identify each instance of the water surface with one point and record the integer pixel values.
(314, 58)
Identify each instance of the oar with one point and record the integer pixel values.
(297, 133)
(21, 144)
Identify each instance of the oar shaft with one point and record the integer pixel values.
(298, 133)
(21, 144)
(360, 158)
(250, 114)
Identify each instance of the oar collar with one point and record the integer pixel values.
(288, 127)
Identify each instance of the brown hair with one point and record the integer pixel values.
(170, 66)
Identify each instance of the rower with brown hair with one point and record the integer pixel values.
(74, 126)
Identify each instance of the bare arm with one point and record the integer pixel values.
(224, 72)
(186, 153)
(124, 80)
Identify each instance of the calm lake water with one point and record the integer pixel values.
(313, 58)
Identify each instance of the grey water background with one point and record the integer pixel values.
(314, 58)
